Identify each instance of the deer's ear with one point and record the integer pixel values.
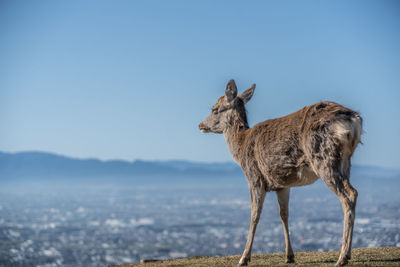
(248, 94)
(231, 91)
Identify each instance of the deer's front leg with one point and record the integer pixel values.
(257, 194)
(283, 200)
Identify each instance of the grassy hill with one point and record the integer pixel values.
(385, 256)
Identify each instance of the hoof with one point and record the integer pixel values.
(341, 262)
(243, 262)
(290, 259)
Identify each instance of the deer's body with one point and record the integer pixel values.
(282, 150)
(295, 150)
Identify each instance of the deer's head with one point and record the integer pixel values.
(228, 110)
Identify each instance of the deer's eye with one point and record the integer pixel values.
(222, 109)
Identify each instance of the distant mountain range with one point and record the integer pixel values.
(47, 166)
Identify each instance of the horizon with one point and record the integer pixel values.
(132, 80)
(161, 161)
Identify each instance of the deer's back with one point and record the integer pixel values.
(280, 150)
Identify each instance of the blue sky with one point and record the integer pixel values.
(132, 79)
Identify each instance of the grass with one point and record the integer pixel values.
(385, 256)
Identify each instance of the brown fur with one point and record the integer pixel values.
(294, 150)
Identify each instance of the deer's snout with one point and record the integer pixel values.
(203, 127)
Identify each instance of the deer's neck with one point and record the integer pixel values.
(234, 135)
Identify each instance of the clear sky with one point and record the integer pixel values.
(133, 79)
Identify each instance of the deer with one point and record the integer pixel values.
(314, 142)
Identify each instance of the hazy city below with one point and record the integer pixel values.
(78, 222)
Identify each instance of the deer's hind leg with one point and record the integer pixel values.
(335, 172)
(348, 197)
(283, 200)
